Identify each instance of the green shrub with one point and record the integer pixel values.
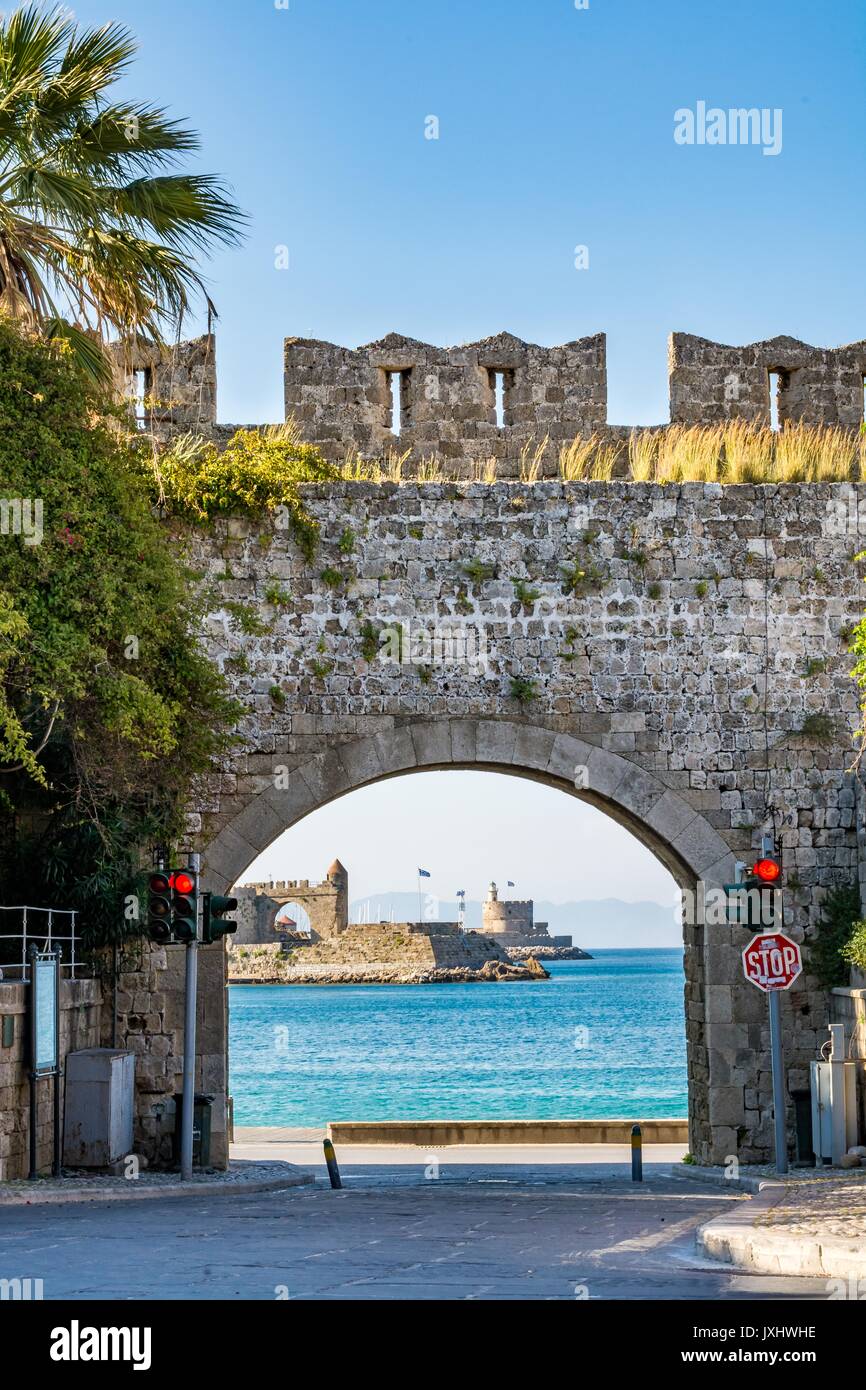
(258, 471)
(245, 617)
(854, 950)
(579, 575)
(522, 690)
(524, 595)
(277, 596)
(827, 954)
(369, 640)
(478, 571)
(818, 728)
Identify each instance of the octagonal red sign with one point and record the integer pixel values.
(772, 961)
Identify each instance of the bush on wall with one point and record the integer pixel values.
(258, 471)
(108, 707)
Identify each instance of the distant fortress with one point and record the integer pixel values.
(510, 922)
(333, 948)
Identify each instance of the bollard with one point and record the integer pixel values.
(636, 1154)
(331, 1160)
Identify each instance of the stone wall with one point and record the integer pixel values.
(640, 665)
(380, 951)
(80, 1022)
(342, 398)
(179, 382)
(150, 1003)
(711, 382)
(326, 905)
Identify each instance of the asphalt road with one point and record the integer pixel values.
(393, 1233)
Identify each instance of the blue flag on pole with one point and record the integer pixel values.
(510, 883)
(422, 873)
(461, 893)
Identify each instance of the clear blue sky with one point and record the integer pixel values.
(556, 129)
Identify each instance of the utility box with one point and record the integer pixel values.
(834, 1109)
(100, 1105)
(201, 1129)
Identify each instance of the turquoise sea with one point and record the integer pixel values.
(601, 1038)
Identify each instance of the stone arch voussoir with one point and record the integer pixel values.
(678, 834)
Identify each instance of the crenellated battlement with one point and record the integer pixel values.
(490, 400)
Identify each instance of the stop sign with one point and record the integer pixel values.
(772, 961)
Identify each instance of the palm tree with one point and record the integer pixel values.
(98, 235)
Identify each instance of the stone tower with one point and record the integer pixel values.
(338, 876)
(511, 922)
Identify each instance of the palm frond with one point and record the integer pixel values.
(98, 234)
(185, 210)
(89, 352)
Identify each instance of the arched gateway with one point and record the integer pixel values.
(674, 654)
(680, 836)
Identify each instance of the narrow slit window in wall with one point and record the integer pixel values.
(775, 383)
(399, 395)
(395, 385)
(140, 392)
(497, 385)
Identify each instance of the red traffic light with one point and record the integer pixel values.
(159, 883)
(182, 883)
(767, 870)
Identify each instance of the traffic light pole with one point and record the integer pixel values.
(189, 1018)
(774, 1003)
(189, 1023)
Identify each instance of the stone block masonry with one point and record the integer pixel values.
(496, 400)
(644, 684)
(383, 953)
(80, 1023)
(343, 399)
(711, 383)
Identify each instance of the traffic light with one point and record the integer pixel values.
(159, 908)
(754, 901)
(215, 906)
(184, 905)
(766, 872)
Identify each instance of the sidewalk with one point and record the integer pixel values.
(241, 1178)
(812, 1226)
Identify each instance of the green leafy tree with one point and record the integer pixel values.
(98, 230)
(108, 706)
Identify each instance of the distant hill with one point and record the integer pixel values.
(590, 923)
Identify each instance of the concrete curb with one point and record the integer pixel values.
(692, 1172)
(51, 1191)
(442, 1133)
(739, 1238)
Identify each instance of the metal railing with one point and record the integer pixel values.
(47, 928)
